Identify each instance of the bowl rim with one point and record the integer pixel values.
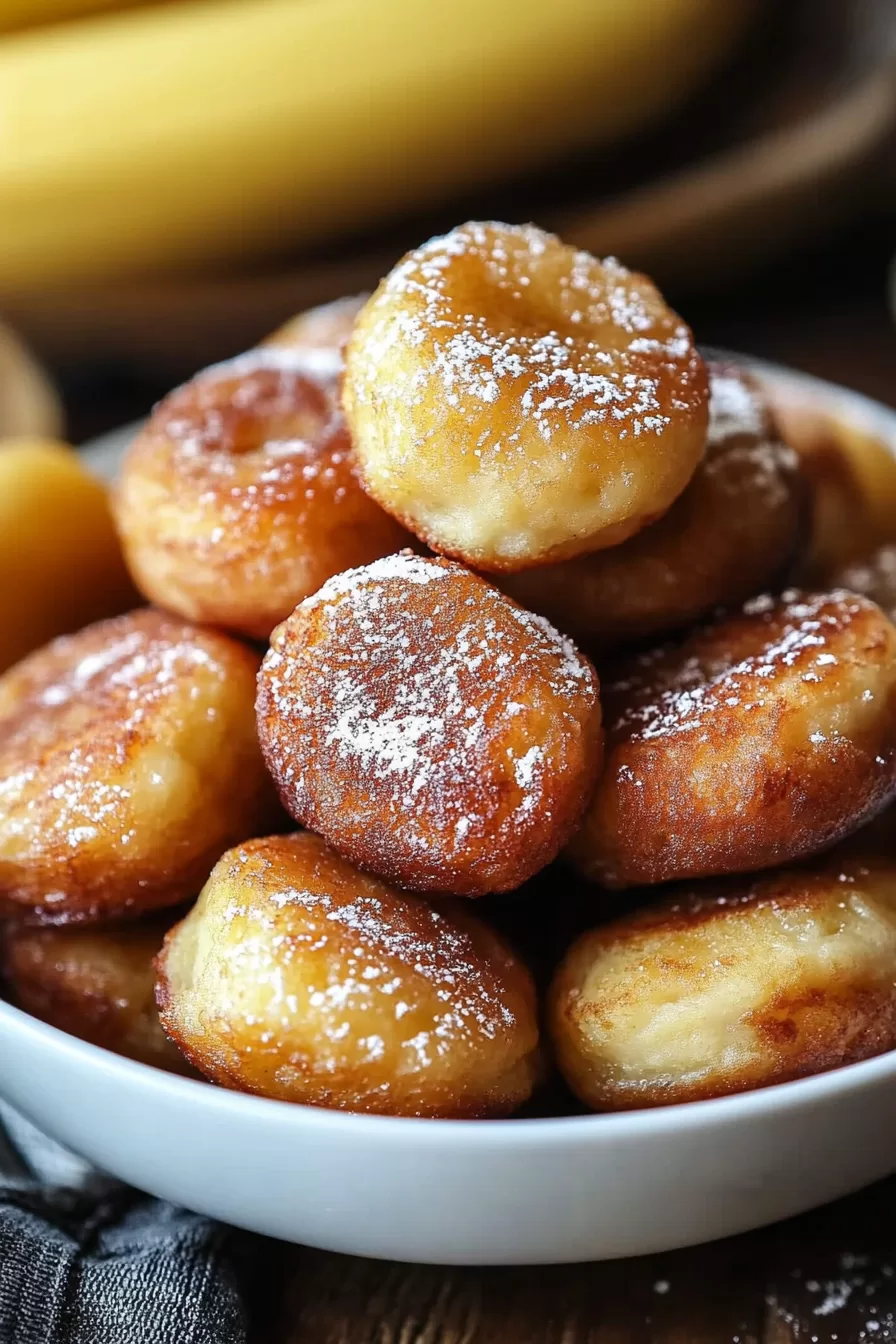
(654, 1121)
(646, 1122)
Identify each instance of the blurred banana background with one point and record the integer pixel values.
(178, 176)
(172, 135)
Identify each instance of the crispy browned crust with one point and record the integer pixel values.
(128, 762)
(551, 401)
(429, 728)
(97, 984)
(298, 977)
(814, 1008)
(733, 531)
(766, 737)
(240, 496)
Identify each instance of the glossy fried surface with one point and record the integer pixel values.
(321, 333)
(873, 576)
(762, 738)
(726, 987)
(731, 532)
(429, 728)
(240, 496)
(128, 763)
(298, 977)
(97, 984)
(513, 400)
(851, 470)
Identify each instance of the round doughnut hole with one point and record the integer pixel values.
(513, 400)
(240, 496)
(128, 763)
(96, 984)
(724, 987)
(763, 738)
(297, 977)
(430, 729)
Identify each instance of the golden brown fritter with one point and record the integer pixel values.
(873, 576)
(297, 977)
(128, 763)
(731, 532)
(513, 400)
(430, 729)
(851, 472)
(321, 333)
(240, 496)
(97, 984)
(763, 738)
(729, 986)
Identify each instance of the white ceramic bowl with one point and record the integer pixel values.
(466, 1192)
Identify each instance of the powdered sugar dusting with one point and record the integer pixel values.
(843, 1299)
(80, 709)
(248, 417)
(314, 362)
(668, 692)
(426, 695)
(741, 446)
(874, 577)
(735, 406)
(252, 475)
(327, 957)
(403, 565)
(601, 365)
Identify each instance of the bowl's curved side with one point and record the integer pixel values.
(507, 1192)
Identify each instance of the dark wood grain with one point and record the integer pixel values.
(826, 1278)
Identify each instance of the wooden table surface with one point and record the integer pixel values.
(826, 1278)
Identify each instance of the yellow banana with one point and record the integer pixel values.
(28, 401)
(196, 132)
(29, 13)
(59, 554)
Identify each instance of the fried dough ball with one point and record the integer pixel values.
(727, 987)
(97, 984)
(763, 738)
(874, 577)
(732, 531)
(851, 469)
(513, 400)
(128, 763)
(430, 729)
(60, 560)
(321, 333)
(298, 977)
(240, 498)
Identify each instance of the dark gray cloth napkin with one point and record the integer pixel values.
(85, 1260)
